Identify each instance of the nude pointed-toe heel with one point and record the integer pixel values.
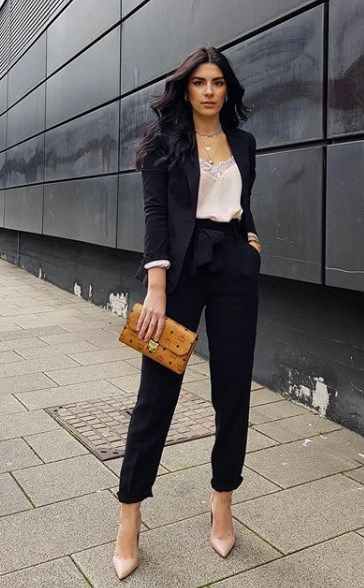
(124, 566)
(221, 546)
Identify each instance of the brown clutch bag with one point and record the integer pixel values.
(174, 347)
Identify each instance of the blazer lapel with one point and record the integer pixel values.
(239, 149)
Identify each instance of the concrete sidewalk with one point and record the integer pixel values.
(298, 513)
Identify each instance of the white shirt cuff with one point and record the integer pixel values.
(158, 263)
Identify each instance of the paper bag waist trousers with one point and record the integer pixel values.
(220, 273)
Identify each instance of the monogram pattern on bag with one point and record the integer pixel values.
(175, 344)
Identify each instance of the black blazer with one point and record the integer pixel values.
(170, 204)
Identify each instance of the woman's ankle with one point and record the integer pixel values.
(130, 511)
(223, 498)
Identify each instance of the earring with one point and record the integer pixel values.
(226, 98)
(186, 96)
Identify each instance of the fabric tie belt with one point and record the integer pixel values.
(207, 235)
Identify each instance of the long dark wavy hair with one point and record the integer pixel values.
(172, 133)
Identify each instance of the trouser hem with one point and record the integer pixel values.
(129, 498)
(226, 487)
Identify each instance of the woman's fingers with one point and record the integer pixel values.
(151, 323)
(151, 320)
(159, 328)
(144, 325)
(141, 318)
(153, 327)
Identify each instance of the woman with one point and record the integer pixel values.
(201, 249)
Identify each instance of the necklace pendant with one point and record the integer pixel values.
(208, 148)
(210, 161)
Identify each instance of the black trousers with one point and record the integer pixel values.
(221, 274)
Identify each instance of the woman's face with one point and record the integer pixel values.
(207, 84)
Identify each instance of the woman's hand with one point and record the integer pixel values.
(152, 317)
(256, 245)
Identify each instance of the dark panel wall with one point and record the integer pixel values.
(346, 68)
(61, 101)
(74, 100)
(345, 215)
(289, 186)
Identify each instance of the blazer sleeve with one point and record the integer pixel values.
(155, 194)
(250, 225)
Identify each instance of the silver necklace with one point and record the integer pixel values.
(207, 135)
(207, 148)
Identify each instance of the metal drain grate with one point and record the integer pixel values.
(101, 424)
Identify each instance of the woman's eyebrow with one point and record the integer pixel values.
(201, 78)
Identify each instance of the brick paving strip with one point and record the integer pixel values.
(67, 388)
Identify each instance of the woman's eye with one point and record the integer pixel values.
(220, 83)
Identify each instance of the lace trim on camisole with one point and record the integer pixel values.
(216, 170)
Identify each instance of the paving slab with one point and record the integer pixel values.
(178, 495)
(85, 311)
(190, 453)
(202, 367)
(12, 499)
(299, 461)
(53, 531)
(301, 516)
(113, 328)
(8, 324)
(15, 454)
(198, 451)
(263, 396)
(129, 383)
(55, 445)
(74, 325)
(357, 474)
(178, 555)
(337, 563)
(347, 443)
(18, 345)
(90, 373)
(21, 334)
(15, 384)
(257, 440)
(9, 357)
(190, 375)
(200, 387)
(31, 366)
(25, 423)
(64, 394)
(9, 404)
(46, 319)
(274, 411)
(64, 479)
(97, 337)
(54, 350)
(297, 427)
(103, 355)
(9, 309)
(58, 573)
